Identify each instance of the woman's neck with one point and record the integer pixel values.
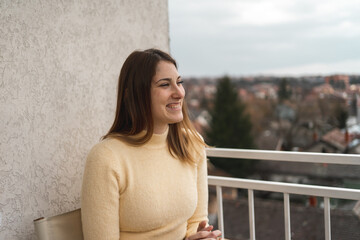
(160, 129)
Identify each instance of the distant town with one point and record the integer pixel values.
(311, 114)
(319, 113)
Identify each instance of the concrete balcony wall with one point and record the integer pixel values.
(59, 63)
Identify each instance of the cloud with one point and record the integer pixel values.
(261, 13)
(238, 37)
(343, 29)
(346, 66)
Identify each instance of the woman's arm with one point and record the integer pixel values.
(201, 211)
(100, 195)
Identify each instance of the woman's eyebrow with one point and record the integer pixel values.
(167, 79)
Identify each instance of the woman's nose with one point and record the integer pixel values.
(178, 92)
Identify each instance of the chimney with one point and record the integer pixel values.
(347, 137)
(312, 201)
(315, 136)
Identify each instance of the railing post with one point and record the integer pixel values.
(327, 221)
(285, 188)
(220, 210)
(287, 216)
(251, 214)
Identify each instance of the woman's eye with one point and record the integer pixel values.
(180, 82)
(164, 85)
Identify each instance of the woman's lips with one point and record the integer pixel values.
(174, 106)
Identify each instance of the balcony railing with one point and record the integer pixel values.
(286, 188)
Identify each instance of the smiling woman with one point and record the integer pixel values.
(167, 95)
(147, 178)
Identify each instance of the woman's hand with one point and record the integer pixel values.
(205, 233)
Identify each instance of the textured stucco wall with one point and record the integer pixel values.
(59, 63)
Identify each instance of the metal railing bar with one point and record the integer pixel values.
(287, 216)
(251, 214)
(331, 158)
(327, 221)
(291, 188)
(220, 210)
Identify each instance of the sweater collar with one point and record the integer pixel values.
(156, 140)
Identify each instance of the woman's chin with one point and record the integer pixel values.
(176, 120)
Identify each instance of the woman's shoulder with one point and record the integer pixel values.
(109, 144)
(106, 149)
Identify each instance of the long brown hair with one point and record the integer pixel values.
(133, 111)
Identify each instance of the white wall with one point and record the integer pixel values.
(59, 63)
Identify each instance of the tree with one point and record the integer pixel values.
(284, 91)
(230, 127)
(341, 115)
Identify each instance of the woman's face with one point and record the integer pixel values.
(167, 95)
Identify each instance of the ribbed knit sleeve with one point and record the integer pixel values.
(201, 211)
(100, 195)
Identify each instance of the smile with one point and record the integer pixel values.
(174, 106)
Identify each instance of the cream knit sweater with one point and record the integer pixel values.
(131, 192)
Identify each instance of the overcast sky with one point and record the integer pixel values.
(252, 37)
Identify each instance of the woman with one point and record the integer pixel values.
(147, 178)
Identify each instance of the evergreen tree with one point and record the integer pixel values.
(284, 91)
(341, 115)
(230, 127)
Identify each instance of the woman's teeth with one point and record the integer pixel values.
(173, 105)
